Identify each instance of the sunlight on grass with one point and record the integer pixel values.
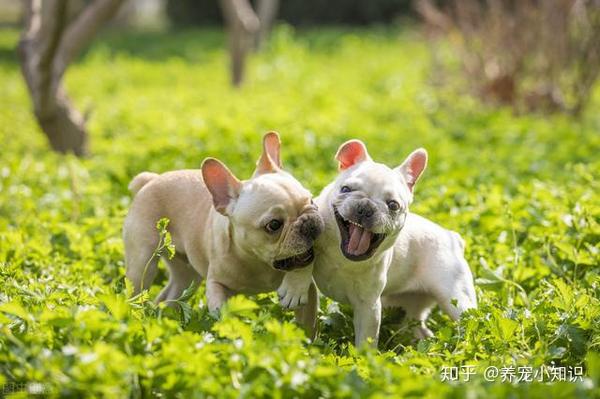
(522, 190)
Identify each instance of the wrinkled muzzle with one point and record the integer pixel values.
(297, 247)
(309, 225)
(363, 227)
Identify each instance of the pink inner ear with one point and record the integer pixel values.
(269, 160)
(221, 183)
(272, 146)
(415, 166)
(351, 153)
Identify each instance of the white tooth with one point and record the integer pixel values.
(356, 224)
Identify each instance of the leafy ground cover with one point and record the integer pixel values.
(522, 190)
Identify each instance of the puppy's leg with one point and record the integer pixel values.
(181, 276)
(455, 300)
(367, 320)
(141, 266)
(140, 240)
(306, 316)
(453, 289)
(293, 291)
(216, 295)
(417, 307)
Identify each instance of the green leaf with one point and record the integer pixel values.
(16, 309)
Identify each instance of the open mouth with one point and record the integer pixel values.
(357, 243)
(296, 261)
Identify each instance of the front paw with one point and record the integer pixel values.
(292, 296)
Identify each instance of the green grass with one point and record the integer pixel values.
(522, 190)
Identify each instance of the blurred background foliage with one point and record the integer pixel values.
(534, 56)
(521, 187)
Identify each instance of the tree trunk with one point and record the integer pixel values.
(267, 12)
(48, 44)
(242, 24)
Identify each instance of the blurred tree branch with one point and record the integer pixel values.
(267, 12)
(246, 30)
(531, 54)
(49, 43)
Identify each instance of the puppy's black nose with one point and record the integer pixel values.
(311, 226)
(365, 209)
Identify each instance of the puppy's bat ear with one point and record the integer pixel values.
(413, 166)
(350, 153)
(270, 160)
(222, 184)
(272, 146)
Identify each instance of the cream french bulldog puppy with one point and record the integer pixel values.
(244, 237)
(374, 252)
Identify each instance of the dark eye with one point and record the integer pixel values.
(273, 225)
(345, 189)
(393, 205)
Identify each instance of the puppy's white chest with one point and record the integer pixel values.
(348, 282)
(336, 285)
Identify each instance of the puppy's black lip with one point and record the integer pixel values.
(295, 262)
(344, 226)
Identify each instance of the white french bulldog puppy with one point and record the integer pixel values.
(374, 253)
(245, 237)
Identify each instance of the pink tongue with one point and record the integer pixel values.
(359, 241)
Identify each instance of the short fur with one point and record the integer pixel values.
(417, 264)
(217, 224)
